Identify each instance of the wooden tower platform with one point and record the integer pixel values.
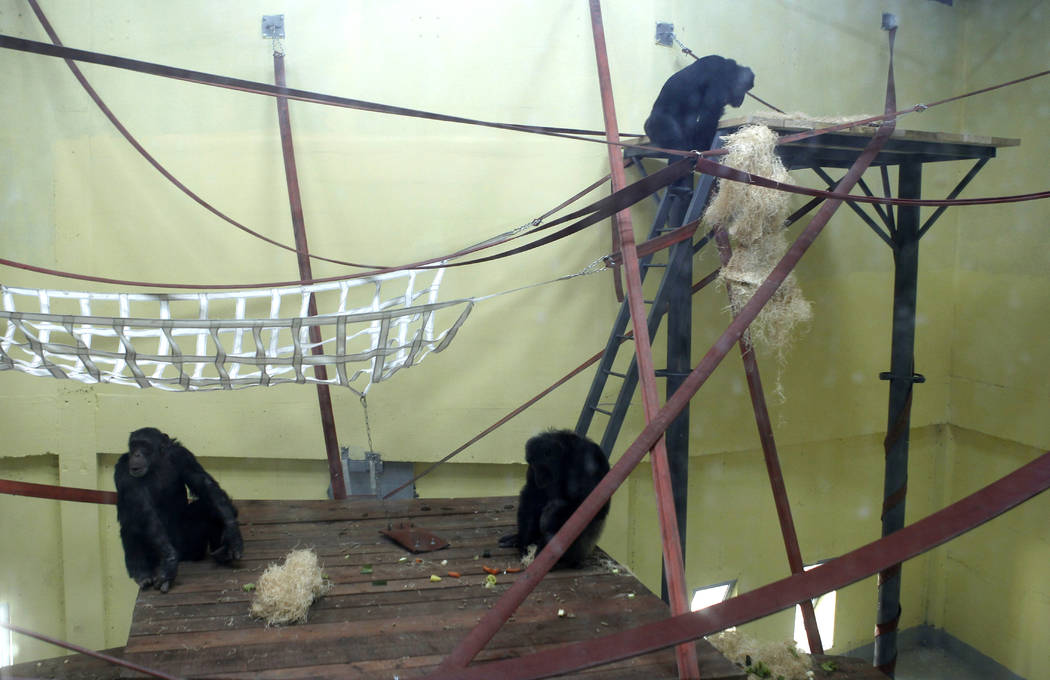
(384, 616)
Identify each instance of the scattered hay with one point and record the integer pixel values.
(805, 119)
(764, 659)
(285, 592)
(530, 555)
(753, 217)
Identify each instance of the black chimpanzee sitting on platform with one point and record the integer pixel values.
(563, 470)
(158, 525)
(685, 114)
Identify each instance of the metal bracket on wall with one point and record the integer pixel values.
(370, 475)
(273, 26)
(664, 33)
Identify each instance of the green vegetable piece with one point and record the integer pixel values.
(366, 568)
(829, 666)
(248, 587)
(380, 582)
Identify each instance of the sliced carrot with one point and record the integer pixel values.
(454, 574)
(490, 570)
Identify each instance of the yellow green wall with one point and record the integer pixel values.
(74, 196)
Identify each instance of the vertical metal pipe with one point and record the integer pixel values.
(674, 567)
(769, 452)
(679, 363)
(902, 382)
(324, 397)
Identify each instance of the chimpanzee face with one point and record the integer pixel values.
(138, 462)
(744, 81)
(143, 446)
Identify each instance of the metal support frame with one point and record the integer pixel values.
(679, 278)
(902, 232)
(324, 397)
(902, 382)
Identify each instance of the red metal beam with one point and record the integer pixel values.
(769, 452)
(674, 562)
(58, 493)
(622, 220)
(929, 532)
(324, 397)
(89, 652)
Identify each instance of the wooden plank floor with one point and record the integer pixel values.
(393, 622)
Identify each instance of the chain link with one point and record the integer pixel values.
(368, 426)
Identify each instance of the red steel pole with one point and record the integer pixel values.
(769, 452)
(324, 397)
(674, 563)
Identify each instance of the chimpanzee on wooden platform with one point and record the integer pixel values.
(685, 114)
(563, 470)
(159, 526)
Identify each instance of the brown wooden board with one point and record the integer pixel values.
(394, 621)
(385, 616)
(72, 667)
(839, 149)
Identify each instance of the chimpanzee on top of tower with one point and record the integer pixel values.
(563, 470)
(685, 114)
(158, 525)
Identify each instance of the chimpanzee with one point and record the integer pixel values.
(685, 114)
(563, 470)
(158, 526)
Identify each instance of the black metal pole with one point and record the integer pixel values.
(902, 379)
(679, 363)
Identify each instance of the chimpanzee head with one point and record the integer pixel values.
(144, 445)
(545, 455)
(739, 79)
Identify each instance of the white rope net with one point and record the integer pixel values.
(230, 340)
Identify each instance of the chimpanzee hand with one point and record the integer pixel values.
(232, 546)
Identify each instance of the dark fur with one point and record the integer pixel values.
(685, 114)
(563, 470)
(159, 527)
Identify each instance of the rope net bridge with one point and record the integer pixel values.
(231, 339)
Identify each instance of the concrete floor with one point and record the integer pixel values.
(931, 663)
(929, 654)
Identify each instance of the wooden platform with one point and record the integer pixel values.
(840, 149)
(394, 621)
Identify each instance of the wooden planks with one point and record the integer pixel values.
(840, 149)
(788, 124)
(394, 621)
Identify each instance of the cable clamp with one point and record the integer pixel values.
(914, 377)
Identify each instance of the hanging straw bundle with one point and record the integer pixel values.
(754, 217)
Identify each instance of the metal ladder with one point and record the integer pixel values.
(680, 204)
